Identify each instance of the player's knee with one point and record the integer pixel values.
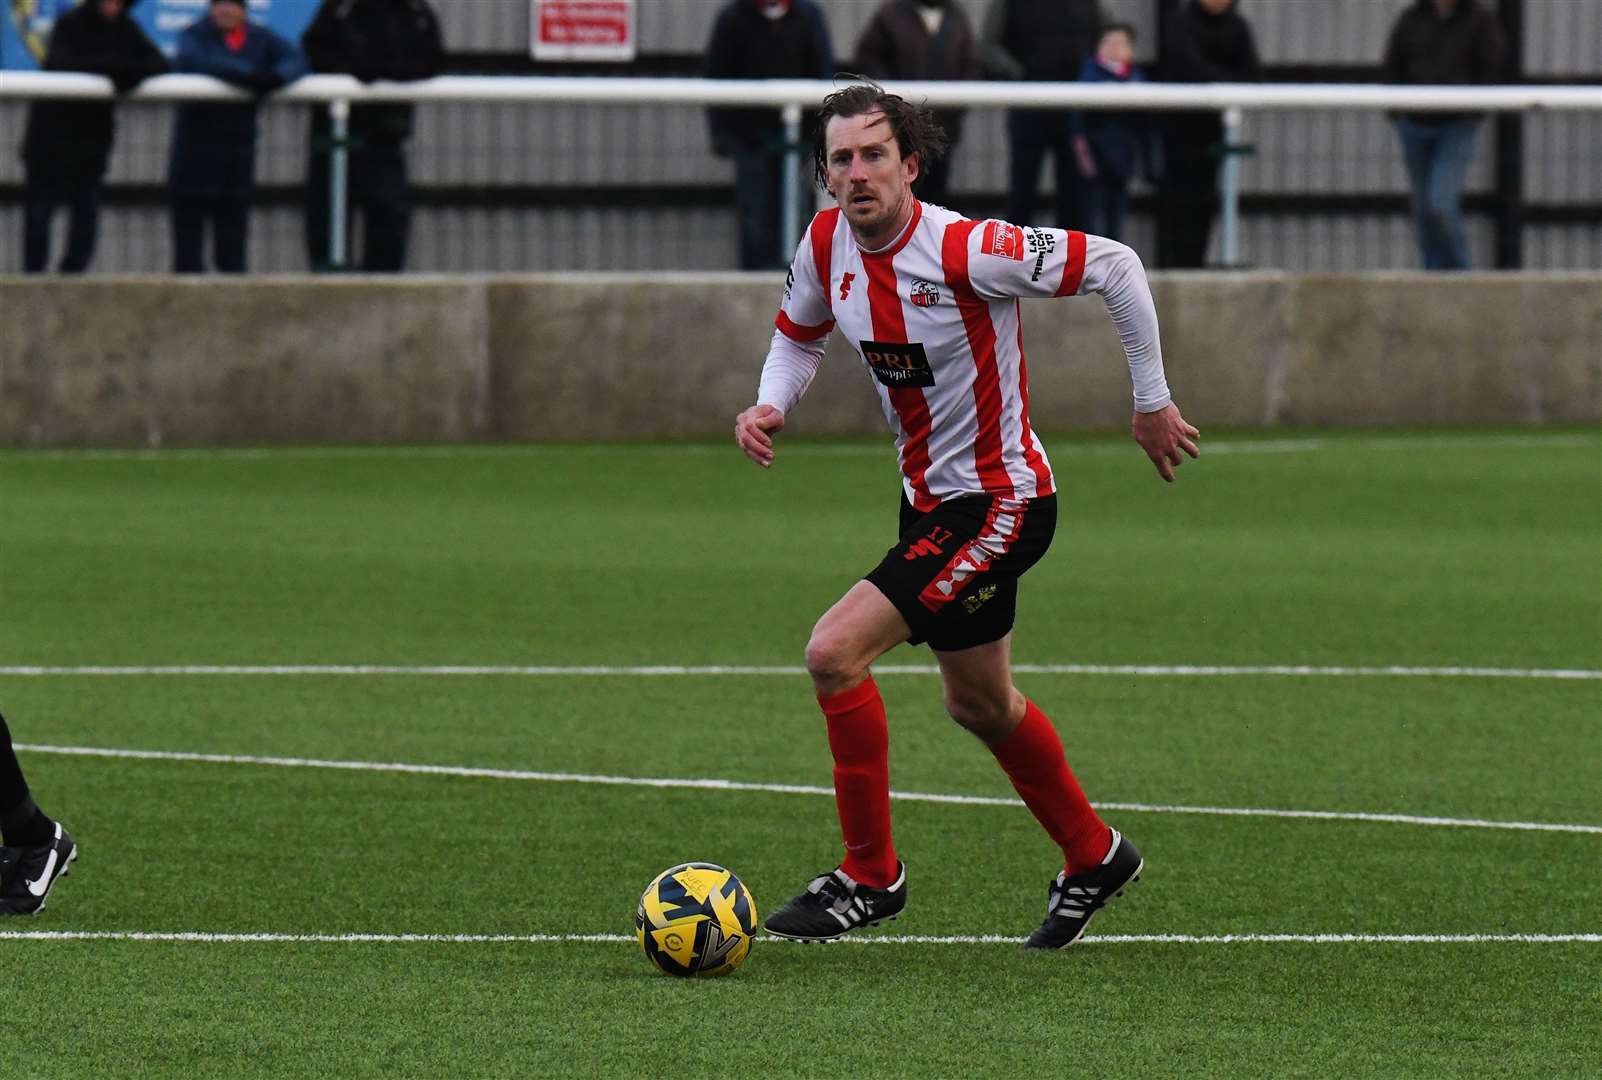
(830, 663)
(987, 715)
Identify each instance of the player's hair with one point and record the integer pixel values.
(1120, 27)
(912, 126)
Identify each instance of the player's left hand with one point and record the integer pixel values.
(754, 430)
(1163, 434)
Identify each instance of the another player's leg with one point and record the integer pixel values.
(37, 851)
(869, 886)
(1097, 861)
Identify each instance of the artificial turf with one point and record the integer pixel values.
(1476, 549)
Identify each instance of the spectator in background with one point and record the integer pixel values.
(1041, 41)
(213, 163)
(923, 39)
(67, 143)
(1108, 145)
(763, 39)
(395, 40)
(1206, 41)
(1441, 42)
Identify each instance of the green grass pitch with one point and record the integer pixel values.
(1352, 550)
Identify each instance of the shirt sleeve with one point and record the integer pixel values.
(788, 371)
(1006, 260)
(805, 315)
(800, 332)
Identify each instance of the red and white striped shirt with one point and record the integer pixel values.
(934, 317)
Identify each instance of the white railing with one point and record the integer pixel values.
(791, 96)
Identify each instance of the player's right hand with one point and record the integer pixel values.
(754, 430)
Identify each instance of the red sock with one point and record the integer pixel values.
(1033, 759)
(859, 739)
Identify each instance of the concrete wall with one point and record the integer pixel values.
(196, 362)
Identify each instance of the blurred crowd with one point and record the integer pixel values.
(1094, 154)
(211, 164)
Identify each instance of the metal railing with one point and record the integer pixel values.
(791, 96)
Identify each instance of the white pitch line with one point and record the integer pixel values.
(670, 670)
(206, 937)
(712, 784)
(1306, 444)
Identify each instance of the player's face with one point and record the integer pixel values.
(869, 179)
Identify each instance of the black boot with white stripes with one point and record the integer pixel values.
(1073, 900)
(27, 874)
(835, 904)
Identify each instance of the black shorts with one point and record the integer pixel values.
(954, 573)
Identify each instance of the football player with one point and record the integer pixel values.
(929, 301)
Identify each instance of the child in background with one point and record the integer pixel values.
(1107, 145)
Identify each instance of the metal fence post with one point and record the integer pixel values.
(790, 228)
(338, 161)
(1229, 190)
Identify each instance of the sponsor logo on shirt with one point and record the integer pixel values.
(1003, 241)
(1040, 244)
(898, 364)
(924, 294)
(789, 282)
(845, 284)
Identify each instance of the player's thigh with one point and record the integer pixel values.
(860, 627)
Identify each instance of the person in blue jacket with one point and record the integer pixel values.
(1109, 145)
(212, 170)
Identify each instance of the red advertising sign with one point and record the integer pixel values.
(583, 29)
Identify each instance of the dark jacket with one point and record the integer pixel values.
(1200, 47)
(1465, 47)
(1118, 140)
(897, 44)
(71, 140)
(397, 40)
(214, 144)
(746, 44)
(1040, 40)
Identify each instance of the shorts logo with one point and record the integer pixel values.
(924, 294)
(976, 600)
(1003, 241)
(845, 284)
(898, 364)
(928, 545)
